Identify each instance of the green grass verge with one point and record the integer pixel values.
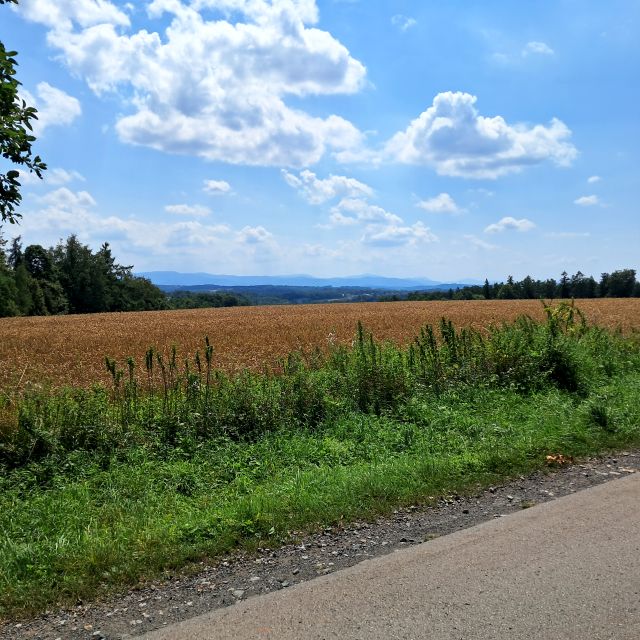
(99, 491)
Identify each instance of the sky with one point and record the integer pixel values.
(449, 139)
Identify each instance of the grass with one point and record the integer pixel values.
(103, 488)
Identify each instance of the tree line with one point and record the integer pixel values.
(69, 278)
(618, 284)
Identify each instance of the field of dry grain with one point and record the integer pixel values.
(70, 350)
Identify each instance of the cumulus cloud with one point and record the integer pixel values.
(395, 235)
(214, 88)
(55, 107)
(539, 48)
(594, 179)
(381, 227)
(351, 211)
(64, 198)
(195, 210)
(587, 201)
(510, 224)
(216, 187)
(404, 23)
(442, 203)
(60, 176)
(318, 191)
(319, 251)
(63, 212)
(254, 235)
(62, 14)
(456, 140)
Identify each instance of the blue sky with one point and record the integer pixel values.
(446, 140)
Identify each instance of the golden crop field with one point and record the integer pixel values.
(70, 350)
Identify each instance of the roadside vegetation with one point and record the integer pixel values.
(176, 461)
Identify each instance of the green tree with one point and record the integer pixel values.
(38, 261)
(486, 289)
(74, 264)
(583, 286)
(507, 291)
(139, 294)
(24, 286)
(528, 288)
(15, 256)
(16, 135)
(621, 283)
(565, 285)
(8, 305)
(47, 288)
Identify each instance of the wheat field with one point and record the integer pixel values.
(70, 350)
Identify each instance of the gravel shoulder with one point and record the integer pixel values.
(241, 576)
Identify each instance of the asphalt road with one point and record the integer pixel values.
(567, 569)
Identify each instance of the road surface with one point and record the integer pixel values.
(567, 569)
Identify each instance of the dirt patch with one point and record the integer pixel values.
(242, 576)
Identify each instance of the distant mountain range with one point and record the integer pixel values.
(171, 279)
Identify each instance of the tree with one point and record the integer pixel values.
(8, 305)
(486, 289)
(565, 285)
(15, 256)
(75, 261)
(38, 262)
(23, 295)
(528, 288)
(549, 288)
(583, 287)
(16, 135)
(621, 283)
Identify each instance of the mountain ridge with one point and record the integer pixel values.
(369, 281)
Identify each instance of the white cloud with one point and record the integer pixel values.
(540, 48)
(510, 224)
(176, 243)
(394, 235)
(216, 187)
(338, 219)
(254, 235)
(214, 88)
(195, 210)
(402, 22)
(480, 243)
(59, 176)
(594, 179)
(63, 198)
(350, 211)
(317, 191)
(192, 233)
(55, 107)
(455, 139)
(442, 203)
(319, 251)
(62, 14)
(587, 201)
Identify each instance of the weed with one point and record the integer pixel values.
(102, 485)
